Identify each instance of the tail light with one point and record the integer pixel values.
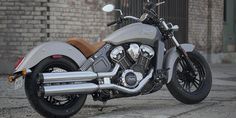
(19, 61)
(57, 56)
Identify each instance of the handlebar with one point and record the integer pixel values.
(121, 19)
(111, 23)
(150, 6)
(132, 17)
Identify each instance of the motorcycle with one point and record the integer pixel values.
(132, 61)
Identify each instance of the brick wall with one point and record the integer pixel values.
(27, 23)
(21, 25)
(198, 25)
(79, 18)
(217, 26)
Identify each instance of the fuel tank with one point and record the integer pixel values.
(136, 32)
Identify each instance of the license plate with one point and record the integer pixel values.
(19, 83)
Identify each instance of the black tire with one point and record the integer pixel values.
(180, 85)
(46, 106)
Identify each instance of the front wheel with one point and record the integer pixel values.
(186, 87)
(53, 106)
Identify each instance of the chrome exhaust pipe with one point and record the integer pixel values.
(127, 90)
(81, 76)
(84, 88)
(88, 88)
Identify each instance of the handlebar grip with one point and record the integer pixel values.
(111, 23)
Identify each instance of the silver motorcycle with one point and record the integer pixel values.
(132, 61)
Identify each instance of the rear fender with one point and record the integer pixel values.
(171, 56)
(48, 49)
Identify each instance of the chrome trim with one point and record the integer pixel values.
(117, 53)
(90, 88)
(80, 76)
(132, 17)
(68, 89)
(175, 41)
(109, 74)
(164, 25)
(148, 50)
(159, 3)
(119, 10)
(28, 71)
(138, 75)
(68, 76)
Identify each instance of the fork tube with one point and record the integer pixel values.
(178, 46)
(175, 41)
(160, 49)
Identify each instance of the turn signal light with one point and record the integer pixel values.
(24, 72)
(10, 78)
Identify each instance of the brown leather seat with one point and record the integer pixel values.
(85, 46)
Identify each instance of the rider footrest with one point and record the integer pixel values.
(161, 74)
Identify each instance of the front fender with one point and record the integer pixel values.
(48, 49)
(171, 56)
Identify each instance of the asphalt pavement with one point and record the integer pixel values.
(221, 102)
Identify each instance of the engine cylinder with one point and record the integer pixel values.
(118, 55)
(145, 56)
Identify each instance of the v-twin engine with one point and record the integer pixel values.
(141, 55)
(134, 61)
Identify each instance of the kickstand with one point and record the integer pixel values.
(103, 105)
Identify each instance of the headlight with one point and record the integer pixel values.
(143, 17)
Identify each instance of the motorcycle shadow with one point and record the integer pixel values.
(129, 107)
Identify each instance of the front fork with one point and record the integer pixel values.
(182, 52)
(184, 55)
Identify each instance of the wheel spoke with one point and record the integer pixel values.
(184, 85)
(183, 64)
(188, 87)
(179, 68)
(180, 81)
(189, 82)
(198, 84)
(191, 85)
(197, 79)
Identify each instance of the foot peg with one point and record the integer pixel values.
(161, 75)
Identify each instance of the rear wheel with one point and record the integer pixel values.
(185, 86)
(53, 106)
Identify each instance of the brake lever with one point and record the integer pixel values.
(160, 3)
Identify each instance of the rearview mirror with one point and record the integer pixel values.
(175, 28)
(108, 8)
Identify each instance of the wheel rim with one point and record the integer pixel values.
(58, 101)
(188, 81)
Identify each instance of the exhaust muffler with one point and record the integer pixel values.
(82, 88)
(81, 76)
(88, 88)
